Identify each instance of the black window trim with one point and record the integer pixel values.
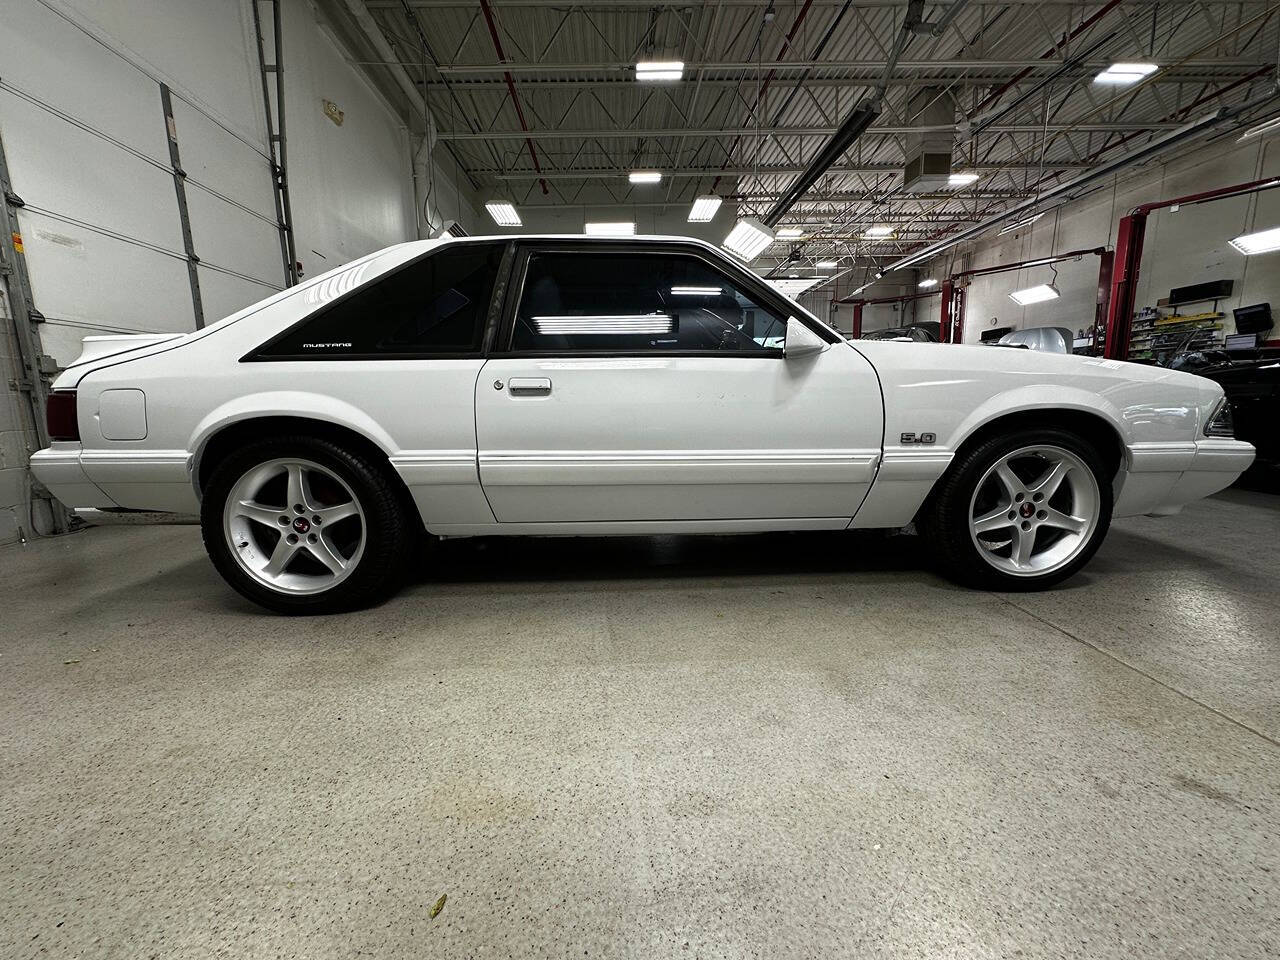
(492, 314)
(748, 281)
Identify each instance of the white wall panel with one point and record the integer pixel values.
(225, 236)
(223, 295)
(46, 56)
(61, 168)
(117, 286)
(351, 185)
(100, 63)
(221, 162)
(201, 48)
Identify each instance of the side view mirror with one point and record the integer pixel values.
(801, 341)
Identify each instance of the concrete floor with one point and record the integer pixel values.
(779, 746)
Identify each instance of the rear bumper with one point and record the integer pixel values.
(59, 469)
(137, 479)
(1161, 478)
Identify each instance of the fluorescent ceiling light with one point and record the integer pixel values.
(695, 291)
(789, 233)
(879, 233)
(826, 264)
(1037, 294)
(645, 176)
(1019, 224)
(704, 209)
(659, 69)
(748, 238)
(794, 286)
(607, 325)
(927, 283)
(1123, 74)
(617, 228)
(503, 212)
(1264, 129)
(1264, 241)
(961, 179)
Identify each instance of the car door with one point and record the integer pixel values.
(644, 382)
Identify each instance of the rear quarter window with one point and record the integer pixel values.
(431, 307)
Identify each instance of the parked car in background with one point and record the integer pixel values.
(923, 332)
(1044, 339)
(572, 385)
(1253, 390)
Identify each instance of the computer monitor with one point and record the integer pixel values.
(1241, 341)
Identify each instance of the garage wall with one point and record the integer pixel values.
(88, 153)
(14, 430)
(1182, 247)
(86, 138)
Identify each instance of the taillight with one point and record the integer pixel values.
(60, 415)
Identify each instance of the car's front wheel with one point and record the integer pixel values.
(1021, 511)
(303, 525)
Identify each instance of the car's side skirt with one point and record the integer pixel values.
(622, 528)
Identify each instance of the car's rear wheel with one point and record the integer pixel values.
(303, 525)
(1021, 511)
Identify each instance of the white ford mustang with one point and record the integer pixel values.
(565, 385)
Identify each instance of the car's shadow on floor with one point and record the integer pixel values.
(525, 559)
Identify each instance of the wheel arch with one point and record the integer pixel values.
(1089, 424)
(231, 435)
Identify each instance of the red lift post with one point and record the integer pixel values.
(858, 304)
(953, 291)
(1129, 237)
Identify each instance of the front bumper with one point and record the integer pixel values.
(1161, 478)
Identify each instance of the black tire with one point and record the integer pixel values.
(391, 527)
(945, 519)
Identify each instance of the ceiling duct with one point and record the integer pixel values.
(928, 153)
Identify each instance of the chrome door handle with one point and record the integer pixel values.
(529, 386)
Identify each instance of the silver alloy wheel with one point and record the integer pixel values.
(1034, 510)
(294, 526)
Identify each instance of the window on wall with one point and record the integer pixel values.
(435, 306)
(660, 302)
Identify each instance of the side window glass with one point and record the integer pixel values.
(436, 305)
(660, 302)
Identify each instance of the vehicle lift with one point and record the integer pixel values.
(1128, 258)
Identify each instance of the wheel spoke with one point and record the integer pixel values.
(1022, 547)
(1052, 480)
(324, 552)
(334, 514)
(280, 557)
(299, 487)
(1063, 521)
(268, 516)
(994, 520)
(1009, 480)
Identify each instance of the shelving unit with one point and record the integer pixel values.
(1155, 333)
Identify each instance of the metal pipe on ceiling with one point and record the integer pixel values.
(511, 88)
(595, 173)
(862, 116)
(984, 122)
(890, 131)
(554, 72)
(1048, 54)
(764, 86)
